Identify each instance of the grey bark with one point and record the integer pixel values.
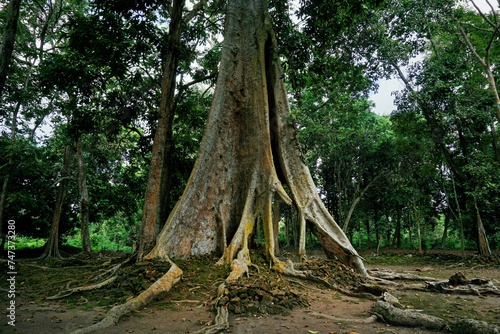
(84, 198)
(249, 150)
(8, 40)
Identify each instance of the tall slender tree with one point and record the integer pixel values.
(52, 244)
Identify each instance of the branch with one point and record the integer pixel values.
(478, 28)
(471, 48)
(194, 11)
(431, 38)
(403, 77)
(492, 11)
(358, 198)
(492, 39)
(194, 82)
(482, 14)
(63, 179)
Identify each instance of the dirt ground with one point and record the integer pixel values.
(189, 307)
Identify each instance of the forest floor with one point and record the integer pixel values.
(297, 307)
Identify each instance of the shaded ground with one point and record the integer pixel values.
(189, 306)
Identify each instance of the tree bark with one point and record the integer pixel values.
(368, 240)
(157, 180)
(84, 198)
(276, 226)
(482, 244)
(356, 201)
(249, 150)
(397, 233)
(3, 196)
(445, 232)
(52, 245)
(8, 40)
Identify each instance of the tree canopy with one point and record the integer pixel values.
(89, 74)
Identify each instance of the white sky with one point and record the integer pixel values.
(384, 101)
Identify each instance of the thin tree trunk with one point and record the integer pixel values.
(8, 40)
(3, 197)
(419, 235)
(445, 232)
(276, 219)
(156, 187)
(397, 233)
(287, 228)
(462, 238)
(410, 236)
(485, 64)
(377, 232)
(52, 245)
(368, 240)
(84, 198)
(359, 236)
(420, 251)
(356, 201)
(483, 245)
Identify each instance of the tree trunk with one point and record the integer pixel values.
(84, 198)
(157, 180)
(397, 233)
(462, 238)
(482, 243)
(276, 226)
(359, 237)
(52, 245)
(368, 240)
(356, 201)
(377, 233)
(445, 232)
(3, 196)
(287, 228)
(249, 150)
(410, 236)
(8, 40)
(420, 251)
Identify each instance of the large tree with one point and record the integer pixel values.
(248, 153)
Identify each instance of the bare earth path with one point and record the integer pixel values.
(175, 315)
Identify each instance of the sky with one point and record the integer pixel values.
(383, 99)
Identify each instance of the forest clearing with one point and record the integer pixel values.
(217, 166)
(310, 308)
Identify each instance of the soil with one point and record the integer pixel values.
(190, 305)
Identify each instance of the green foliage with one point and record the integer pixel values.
(118, 233)
(28, 242)
(98, 73)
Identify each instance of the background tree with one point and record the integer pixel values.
(8, 40)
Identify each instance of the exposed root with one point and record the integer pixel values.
(221, 319)
(458, 284)
(288, 270)
(408, 318)
(368, 320)
(389, 310)
(391, 275)
(69, 292)
(164, 284)
(239, 266)
(111, 271)
(473, 327)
